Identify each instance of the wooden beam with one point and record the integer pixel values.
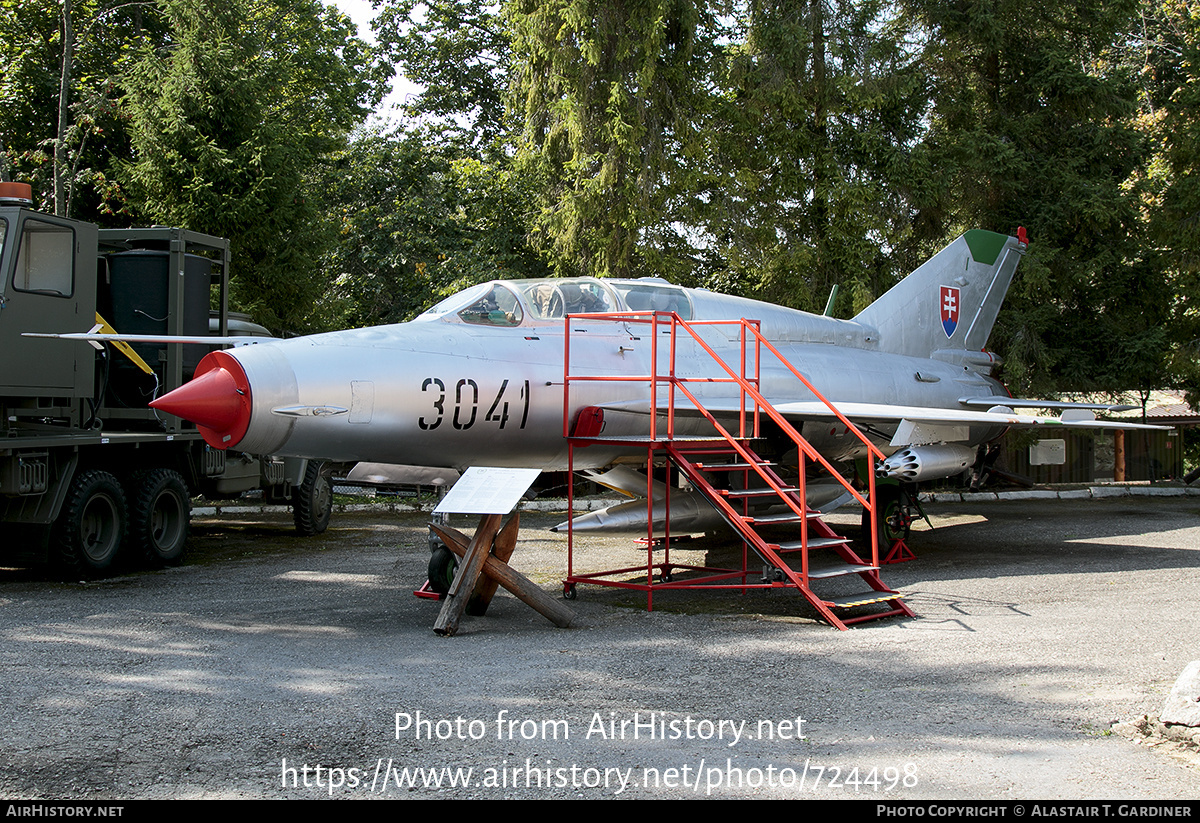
(1118, 455)
(521, 586)
(455, 601)
(502, 549)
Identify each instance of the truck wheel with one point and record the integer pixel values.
(158, 515)
(312, 502)
(87, 535)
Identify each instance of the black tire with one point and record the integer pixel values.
(87, 535)
(312, 502)
(890, 517)
(159, 510)
(442, 566)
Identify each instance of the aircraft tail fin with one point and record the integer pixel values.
(951, 301)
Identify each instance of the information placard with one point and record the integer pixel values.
(487, 490)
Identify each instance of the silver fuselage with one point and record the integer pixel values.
(441, 391)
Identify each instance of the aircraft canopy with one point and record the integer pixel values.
(534, 302)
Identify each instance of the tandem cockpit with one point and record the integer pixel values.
(541, 302)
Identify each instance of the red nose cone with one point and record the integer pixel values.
(217, 400)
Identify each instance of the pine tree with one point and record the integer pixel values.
(1164, 52)
(811, 150)
(1031, 125)
(609, 93)
(61, 126)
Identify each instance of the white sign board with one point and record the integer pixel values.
(1048, 453)
(487, 490)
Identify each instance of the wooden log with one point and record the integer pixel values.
(1119, 455)
(502, 549)
(455, 601)
(521, 586)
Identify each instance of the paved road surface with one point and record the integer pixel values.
(269, 662)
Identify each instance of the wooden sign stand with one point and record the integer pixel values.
(483, 567)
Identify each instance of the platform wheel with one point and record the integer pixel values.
(569, 592)
(442, 567)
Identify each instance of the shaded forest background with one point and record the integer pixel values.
(767, 149)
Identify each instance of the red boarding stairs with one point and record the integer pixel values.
(760, 497)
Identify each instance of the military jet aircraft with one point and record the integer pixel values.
(478, 379)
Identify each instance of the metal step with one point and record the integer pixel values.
(704, 441)
(681, 442)
(786, 517)
(760, 492)
(851, 600)
(824, 572)
(813, 543)
(723, 467)
(900, 611)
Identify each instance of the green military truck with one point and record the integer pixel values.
(88, 473)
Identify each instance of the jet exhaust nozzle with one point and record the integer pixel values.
(915, 463)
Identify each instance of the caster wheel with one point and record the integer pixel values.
(442, 566)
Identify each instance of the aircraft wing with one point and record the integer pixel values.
(1024, 403)
(1074, 415)
(997, 415)
(93, 337)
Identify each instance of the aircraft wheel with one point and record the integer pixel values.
(158, 515)
(87, 535)
(442, 566)
(891, 516)
(312, 502)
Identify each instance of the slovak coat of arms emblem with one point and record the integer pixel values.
(949, 307)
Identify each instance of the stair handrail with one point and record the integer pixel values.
(801, 442)
(747, 386)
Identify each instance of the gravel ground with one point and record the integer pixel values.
(274, 666)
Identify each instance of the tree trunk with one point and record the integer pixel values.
(61, 199)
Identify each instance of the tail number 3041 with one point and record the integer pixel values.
(464, 398)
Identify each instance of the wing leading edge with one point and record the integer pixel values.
(1074, 415)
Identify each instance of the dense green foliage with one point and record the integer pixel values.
(31, 56)
(812, 140)
(608, 99)
(418, 219)
(1167, 51)
(228, 123)
(210, 116)
(771, 148)
(1032, 123)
